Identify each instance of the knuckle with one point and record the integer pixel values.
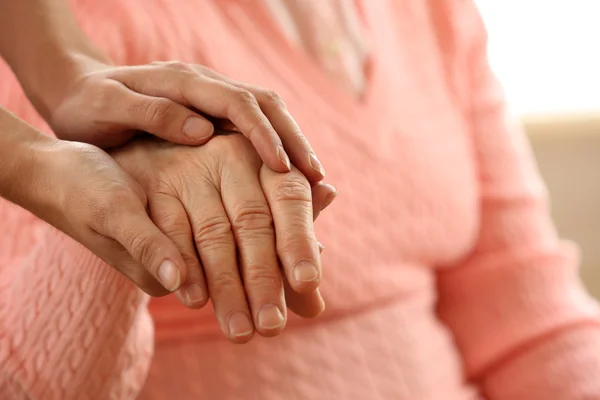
(224, 281)
(273, 98)
(252, 217)
(244, 97)
(299, 245)
(104, 98)
(191, 260)
(255, 130)
(259, 277)
(299, 136)
(213, 232)
(158, 111)
(292, 188)
(178, 66)
(173, 223)
(142, 246)
(105, 209)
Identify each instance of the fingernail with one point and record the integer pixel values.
(197, 128)
(305, 271)
(270, 317)
(316, 164)
(329, 199)
(239, 324)
(321, 247)
(322, 302)
(283, 157)
(194, 293)
(168, 274)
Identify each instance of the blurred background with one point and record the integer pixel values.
(545, 52)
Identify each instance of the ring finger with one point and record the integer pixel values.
(217, 250)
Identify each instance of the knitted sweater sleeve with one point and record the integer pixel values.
(70, 326)
(525, 325)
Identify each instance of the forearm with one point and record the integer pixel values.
(19, 145)
(45, 47)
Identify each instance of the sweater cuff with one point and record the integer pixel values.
(563, 366)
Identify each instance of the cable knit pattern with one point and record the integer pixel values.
(444, 278)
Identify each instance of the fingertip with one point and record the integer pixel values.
(198, 129)
(305, 277)
(283, 157)
(310, 166)
(193, 295)
(239, 327)
(169, 275)
(321, 247)
(330, 198)
(308, 305)
(277, 164)
(316, 165)
(313, 177)
(270, 321)
(322, 195)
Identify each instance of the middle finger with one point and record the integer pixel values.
(253, 230)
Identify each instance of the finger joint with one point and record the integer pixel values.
(213, 232)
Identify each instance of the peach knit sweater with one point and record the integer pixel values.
(444, 277)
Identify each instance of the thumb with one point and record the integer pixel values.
(148, 246)
(163, 118)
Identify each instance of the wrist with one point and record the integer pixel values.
(47, 87)
(21, 167)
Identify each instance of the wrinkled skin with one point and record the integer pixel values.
(245, 232)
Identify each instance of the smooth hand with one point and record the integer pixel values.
(107, 106)
(82, 191)
(245, 231)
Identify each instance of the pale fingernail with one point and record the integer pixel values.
(316, 164)
(239, 324)
(168, 274)
(198, 128)
(329, 199)
(322, 302)
(283, 157)
(321, 247)
(305, 271)
(270, 317)
(194, 293)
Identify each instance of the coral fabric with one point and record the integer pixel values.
(331, 32)
(444, 277)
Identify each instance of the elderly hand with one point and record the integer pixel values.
(234, 221)
(106, 105)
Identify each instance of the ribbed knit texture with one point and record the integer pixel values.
(444, 278)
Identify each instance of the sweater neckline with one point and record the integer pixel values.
(290, 60)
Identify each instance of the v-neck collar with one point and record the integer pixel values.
(288, 59)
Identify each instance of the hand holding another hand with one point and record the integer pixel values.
(210, 207)
(234, 221)
(107, 105)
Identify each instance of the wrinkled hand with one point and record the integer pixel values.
(179, 102)
(234, 221)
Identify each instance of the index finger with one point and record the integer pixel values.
(289, 197)
(294, 141)
(213, 97)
